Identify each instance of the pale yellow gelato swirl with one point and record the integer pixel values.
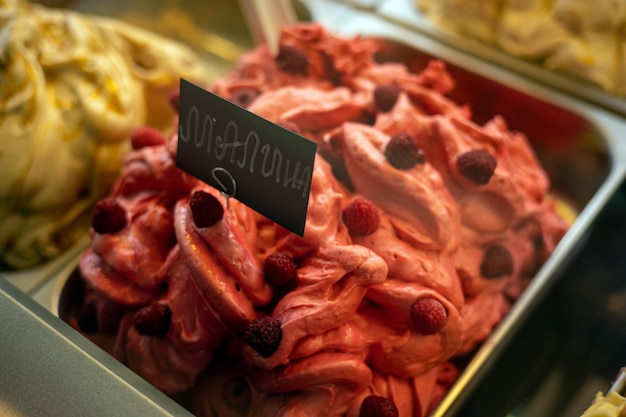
(581, 38)
(611, 405)
(72, 89)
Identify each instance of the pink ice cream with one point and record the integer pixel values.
(422, 229)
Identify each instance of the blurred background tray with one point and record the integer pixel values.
(405, 13)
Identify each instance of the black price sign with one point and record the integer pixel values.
(261, 164)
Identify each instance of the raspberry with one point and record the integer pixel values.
(428, 315)
(496, 262)
(361, 217)
(206, 209)
(108, 216)
(385, 96)
(263, 335)
(477, 166)
(279, 269)
(153, 320)
(145, 136)
(292, 60)
(402, 151)
(175, 100)
(244, 96)
(377, 406)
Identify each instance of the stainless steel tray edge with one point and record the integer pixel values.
(50, 369)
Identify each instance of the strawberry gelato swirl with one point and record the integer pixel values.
(422, 229)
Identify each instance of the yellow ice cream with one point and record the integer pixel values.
(581, 38)
(611, 405)
(72, 89)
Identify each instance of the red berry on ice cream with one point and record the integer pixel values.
(292, 60)
(145, 136)
(402, 151)
(385, 96)
(496, 262)
(153, 320)
(108, 216)
(477, 166)
(378, 406)
(428, 315)
(361, 217)
(279, 269)
(206, 209)
(264, 335)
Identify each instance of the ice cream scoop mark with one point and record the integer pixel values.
(338, 288)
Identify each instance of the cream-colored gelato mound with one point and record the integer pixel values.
(72, 89)
(611, 405)
(581, 38)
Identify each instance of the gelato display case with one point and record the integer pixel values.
(561, 340)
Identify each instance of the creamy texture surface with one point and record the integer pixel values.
(72, 89)
(609, 405)
(458, 230)
(577, 37)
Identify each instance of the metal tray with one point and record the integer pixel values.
(578, 143)
(48, 369)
